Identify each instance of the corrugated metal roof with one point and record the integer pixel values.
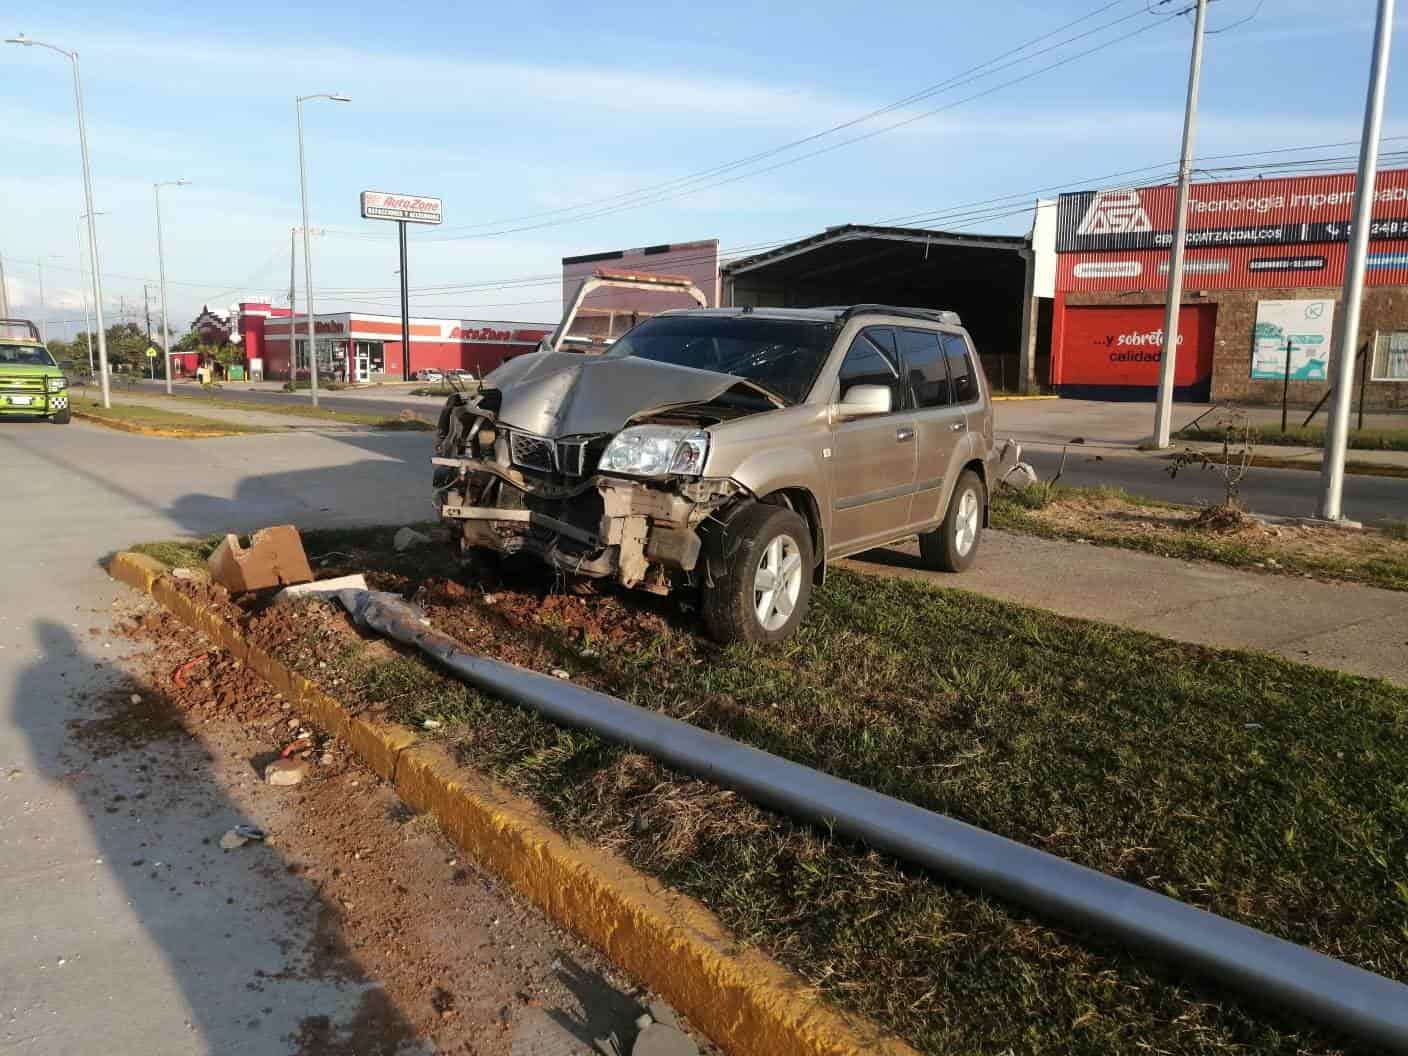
(854, 232)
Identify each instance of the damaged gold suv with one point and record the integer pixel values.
(732, 451)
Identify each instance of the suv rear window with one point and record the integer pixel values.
(25, 356)
(784, 356)
(960, 369)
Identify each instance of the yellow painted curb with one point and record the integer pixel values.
(745, 1002)
(153, 430)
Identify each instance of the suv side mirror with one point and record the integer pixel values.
(863, 400)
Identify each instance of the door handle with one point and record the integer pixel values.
(904, 434)
(957, 427)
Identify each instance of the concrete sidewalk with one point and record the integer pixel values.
(1346, 627)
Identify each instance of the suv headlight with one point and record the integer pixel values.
(656, 451)
(56, 384)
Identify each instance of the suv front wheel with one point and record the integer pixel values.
(760, 576)
(952, 546)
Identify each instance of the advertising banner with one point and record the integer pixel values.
(1122, 346)
(412, 208)
(1303, 327)
(1241, 234)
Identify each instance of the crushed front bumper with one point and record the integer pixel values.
(640, 533)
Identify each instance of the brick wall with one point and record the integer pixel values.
(1384, 308)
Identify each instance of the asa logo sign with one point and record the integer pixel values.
(1118, 212)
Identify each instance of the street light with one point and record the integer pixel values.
(307, 252)
(161, 264)
(72, 57)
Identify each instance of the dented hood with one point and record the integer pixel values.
(567, 393)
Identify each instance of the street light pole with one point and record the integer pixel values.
(1337, 434)
(72, 57)
(1163, 407)
(161, 265)
(308, 251)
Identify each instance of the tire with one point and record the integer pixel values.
(952, 546)
(755, 539)
(61, 417)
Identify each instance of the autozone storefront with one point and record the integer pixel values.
(357, 348)
(1262, 282)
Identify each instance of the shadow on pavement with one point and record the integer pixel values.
(237, 930)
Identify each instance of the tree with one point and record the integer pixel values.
(227, 355)
(127, 347)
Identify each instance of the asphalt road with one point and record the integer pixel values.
(123, 927)
(1284, 492)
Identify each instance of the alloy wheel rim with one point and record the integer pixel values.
(777, 582)
(965, 528)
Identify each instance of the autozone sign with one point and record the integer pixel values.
(411, 208)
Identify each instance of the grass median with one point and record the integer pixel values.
(1308, 436)
(1113, 517)
(145, 418)
(1269, 792)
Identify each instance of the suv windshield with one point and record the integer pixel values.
(783, 356)
(25, 356)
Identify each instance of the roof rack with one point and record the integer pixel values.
(21, 329)
(933, 315)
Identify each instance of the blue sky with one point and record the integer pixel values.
(516, 110)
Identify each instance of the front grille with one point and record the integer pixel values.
(532, 452)
(22, 386)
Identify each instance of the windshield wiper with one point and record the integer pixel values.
(774, 398)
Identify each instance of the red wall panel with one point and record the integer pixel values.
(1122, 346)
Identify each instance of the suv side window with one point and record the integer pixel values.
(960, 368)
(924, 366)
(871, 361)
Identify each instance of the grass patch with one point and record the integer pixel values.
(1310, 436)
(1112, 517)
(1269, 792)
(142, 416)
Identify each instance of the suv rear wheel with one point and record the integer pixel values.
(952, 546)
(761, 576)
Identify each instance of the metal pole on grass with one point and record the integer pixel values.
(1163, 407)
(1337, 433)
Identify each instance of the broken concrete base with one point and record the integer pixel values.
(274, 558)
(322, 588)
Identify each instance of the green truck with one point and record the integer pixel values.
(31, 384)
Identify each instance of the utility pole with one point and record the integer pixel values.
(335, 97)
(161, 263)
(1163, 407)
(1337, 434)
(292, 294)
(4, 291)
(43, 312)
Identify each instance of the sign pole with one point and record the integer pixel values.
(1285, 385)
(1163, 407)
(1337, 434)
(406, 374)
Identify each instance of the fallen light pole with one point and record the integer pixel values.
(1350, 999)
